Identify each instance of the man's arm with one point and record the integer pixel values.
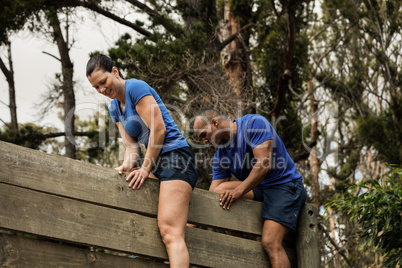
(263, 156)
(216, 183)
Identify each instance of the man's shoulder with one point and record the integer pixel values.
(248, 117)
(251, 121)
(218, 154)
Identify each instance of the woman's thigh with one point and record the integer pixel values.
(174, 199)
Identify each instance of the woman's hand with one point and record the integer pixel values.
(124, 168)
(137, 178)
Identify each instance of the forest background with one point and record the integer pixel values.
(327, 75)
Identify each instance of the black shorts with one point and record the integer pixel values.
(178, 164)
(282, 203)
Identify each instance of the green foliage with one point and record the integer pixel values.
(166, 54)
(290, 129)
(384, 134)
(100, 145)
(350, 165)
(15, 14)
(167, 62)
(268, 52)
(378, 213)
(30, 135)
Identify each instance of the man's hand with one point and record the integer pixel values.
(227, 197)
(137, 178)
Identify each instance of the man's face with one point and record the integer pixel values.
(207, 131)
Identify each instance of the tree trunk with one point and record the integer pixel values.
(68, 84)
(231, 52)
(9, 74)
(332, 227)
(314, 161)
(284, 79)
(237, 62)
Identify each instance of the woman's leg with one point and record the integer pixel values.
(174, 199)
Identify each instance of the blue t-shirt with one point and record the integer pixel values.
(237, 157)
(134, 91)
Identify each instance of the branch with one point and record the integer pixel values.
(303, 154)
(334, 46)
(174, 98)
(326, 79)
(249, 77)
(7, 125)
(234, 36)
(44, 52)
(340, 251)
(5, 71)
(61, 134)
(98, 9)
(153, 13)
(4, 103)
(274, 8)
(322, 30)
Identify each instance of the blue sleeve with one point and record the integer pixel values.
(258, 130)
(138, 90)
(113, 111)
(218, 170)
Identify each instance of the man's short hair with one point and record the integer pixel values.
(208, 114)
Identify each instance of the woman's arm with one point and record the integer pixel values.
(132, 150)
(148, 110)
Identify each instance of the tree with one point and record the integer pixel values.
(378, 212)
(355, 51)
(67, 78)
(19, 13)
(9, 74)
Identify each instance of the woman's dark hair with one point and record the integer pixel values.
(102, 62)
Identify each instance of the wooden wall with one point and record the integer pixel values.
(85, 206)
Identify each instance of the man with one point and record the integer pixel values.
(250, 149)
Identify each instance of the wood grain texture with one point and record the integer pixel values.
(21, 252)
(75, 179)
(79, 222)
(82, 203)
(308, 254)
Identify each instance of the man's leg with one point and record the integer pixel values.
(272, 237)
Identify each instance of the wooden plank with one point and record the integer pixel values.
(18, 251)
(66, 177)
(308, 252)
(79, 222)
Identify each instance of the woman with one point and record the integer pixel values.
(141, 116)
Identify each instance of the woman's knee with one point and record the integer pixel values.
(170, 234)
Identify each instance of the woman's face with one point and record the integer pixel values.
(106, 83)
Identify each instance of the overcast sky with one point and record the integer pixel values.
(35, 70)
